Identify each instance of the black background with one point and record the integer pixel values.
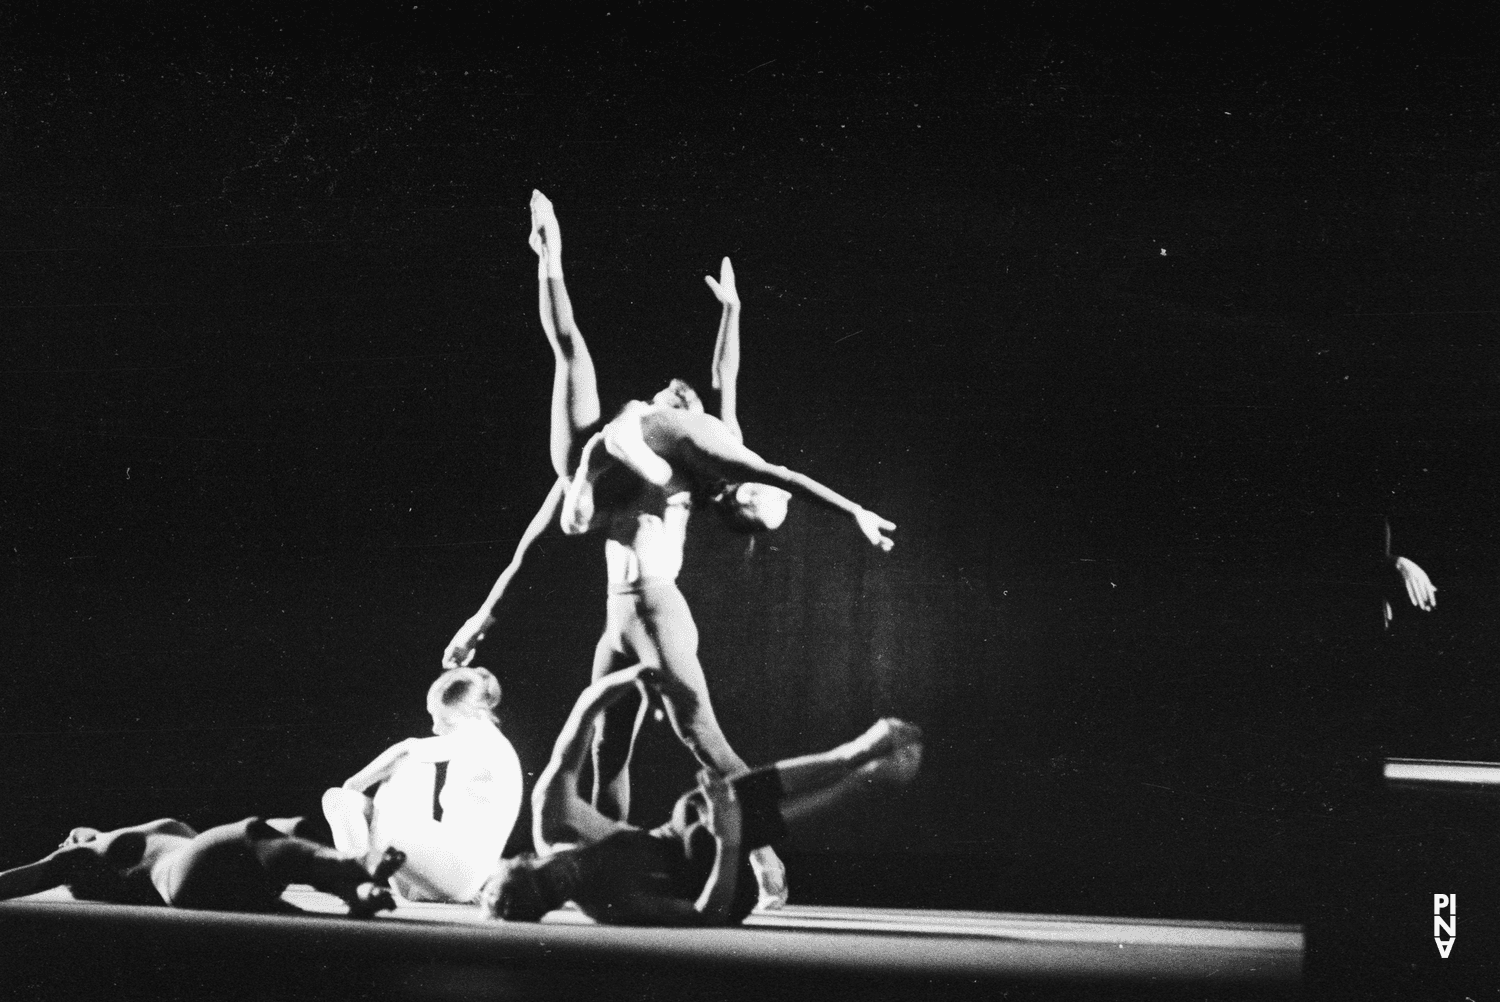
(1138, 330)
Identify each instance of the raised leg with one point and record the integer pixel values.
(817, 786)
(575, 391)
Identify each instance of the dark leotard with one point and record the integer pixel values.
(675, 860)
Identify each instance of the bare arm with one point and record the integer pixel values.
(713, 905)
(701, 443)
(558, 812)
(723, 818)
(381, 768)
(726, 369)
(48, 872)
(461, 648)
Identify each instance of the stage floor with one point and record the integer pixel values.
(452, 951)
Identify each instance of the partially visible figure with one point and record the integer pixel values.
(242, 867)
(1419, 587)
(447, 802)
(693, 870)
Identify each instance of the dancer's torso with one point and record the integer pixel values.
(646, 536)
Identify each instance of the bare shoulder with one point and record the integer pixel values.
(675, 423)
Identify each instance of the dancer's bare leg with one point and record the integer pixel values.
(817, 786)
(615, 729)
(575, 391)
(349, 813)
(671, 630)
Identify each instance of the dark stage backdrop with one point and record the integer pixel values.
(1138, 334)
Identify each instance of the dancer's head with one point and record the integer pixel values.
(462, 693)
(752, 507)
(78, 836)
(527, 886)
(98, 873)
(679, 395)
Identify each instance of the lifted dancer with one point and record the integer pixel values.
(691, 870)
(629, 487)
(242, 867)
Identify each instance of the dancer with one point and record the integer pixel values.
(745, 507)
(630, 488)
(691, 870)
(241, 867)
(448, 802)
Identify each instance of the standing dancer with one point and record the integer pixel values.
(629, 487)
(447, 802)
(691, 870)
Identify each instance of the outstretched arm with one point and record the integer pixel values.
(727, 348)
(460, 650)
(52, 870)
(702, 443)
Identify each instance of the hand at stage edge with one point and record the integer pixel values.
(1419, 587)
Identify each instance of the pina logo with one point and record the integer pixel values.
(1444, 926)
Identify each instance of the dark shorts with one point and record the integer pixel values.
(760, 792)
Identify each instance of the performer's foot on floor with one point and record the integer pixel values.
(375, 894)
(391, 860)
(369, 898)
(770, 874)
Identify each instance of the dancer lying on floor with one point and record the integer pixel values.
(241, 867)
(643, 502)
(447, 802)
(693, 870)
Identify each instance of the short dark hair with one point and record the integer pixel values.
(516, 892)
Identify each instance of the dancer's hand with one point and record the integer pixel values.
(1419, 587)
(460, 651)
(723, 817)
(871, 525)
(724, 288)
